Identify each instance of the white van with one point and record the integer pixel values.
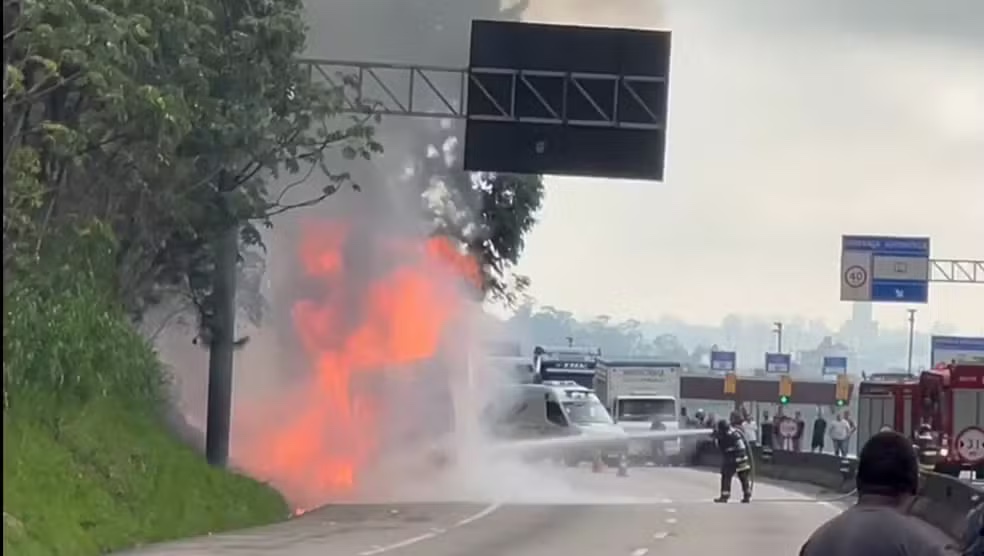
(558, 409)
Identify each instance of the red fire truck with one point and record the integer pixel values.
(951, 402)
(886, 400)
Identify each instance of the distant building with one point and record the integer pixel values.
(860, 332)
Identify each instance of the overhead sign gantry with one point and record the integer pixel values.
(898, 269)
(723, 361)
(963, 349)
(889, 269)
(535, 98)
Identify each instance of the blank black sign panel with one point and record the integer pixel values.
(567, 100)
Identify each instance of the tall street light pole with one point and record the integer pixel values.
(912, 330)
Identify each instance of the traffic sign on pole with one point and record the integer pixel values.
(723, 361)
(970, 444)
(788, 428)
(834, 366)
(777, 363)
(885, 269)
(944, 349)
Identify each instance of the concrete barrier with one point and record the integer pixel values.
(943, 501)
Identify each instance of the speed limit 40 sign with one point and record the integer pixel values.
(856, 276)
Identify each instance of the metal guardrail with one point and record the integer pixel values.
(943, 501)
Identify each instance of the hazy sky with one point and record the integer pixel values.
(791, 123)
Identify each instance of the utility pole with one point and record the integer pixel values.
(778, 332)
(912, 330)
(222, 335)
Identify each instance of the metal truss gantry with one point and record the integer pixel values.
(507, 95)
(958, 271)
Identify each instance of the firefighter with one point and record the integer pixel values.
(927, 449)
(735, 459)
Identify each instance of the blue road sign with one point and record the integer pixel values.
(778, 363)
(834, 365)
(885, 269)
(723, 361)
(944, 349)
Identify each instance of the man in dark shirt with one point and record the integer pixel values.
(887, 479)
(819, 433)
(768, 431)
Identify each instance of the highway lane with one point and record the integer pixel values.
(659, 511)
(665, 511)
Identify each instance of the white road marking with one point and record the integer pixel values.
(671, 520)
(671, 510)
(401, 544)
(376, 549)
(806, 498)
(485, 512)
(660, 535)
(640, 552)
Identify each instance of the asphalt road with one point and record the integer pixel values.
(665, 511)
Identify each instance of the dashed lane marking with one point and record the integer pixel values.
(435, 532)
(660, 535)
(400, 544)
(472, 518)
(640, 552)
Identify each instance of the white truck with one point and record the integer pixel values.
(642, 395)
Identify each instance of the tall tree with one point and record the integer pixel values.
(159, 124)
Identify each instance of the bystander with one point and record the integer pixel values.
(877, 525)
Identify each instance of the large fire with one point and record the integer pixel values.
(361, 337)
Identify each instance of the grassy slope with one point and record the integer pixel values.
(110, 477)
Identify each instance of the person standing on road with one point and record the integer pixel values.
(684, 418)
(819, 433)
(735, 460)
(778, 439)
(768, 431)
(750, 428)
(840, 433)
(877, 525)
(800, 429)
(852, 428)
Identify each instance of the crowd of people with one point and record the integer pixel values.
(770, 433)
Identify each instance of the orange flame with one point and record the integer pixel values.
(349, 332)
